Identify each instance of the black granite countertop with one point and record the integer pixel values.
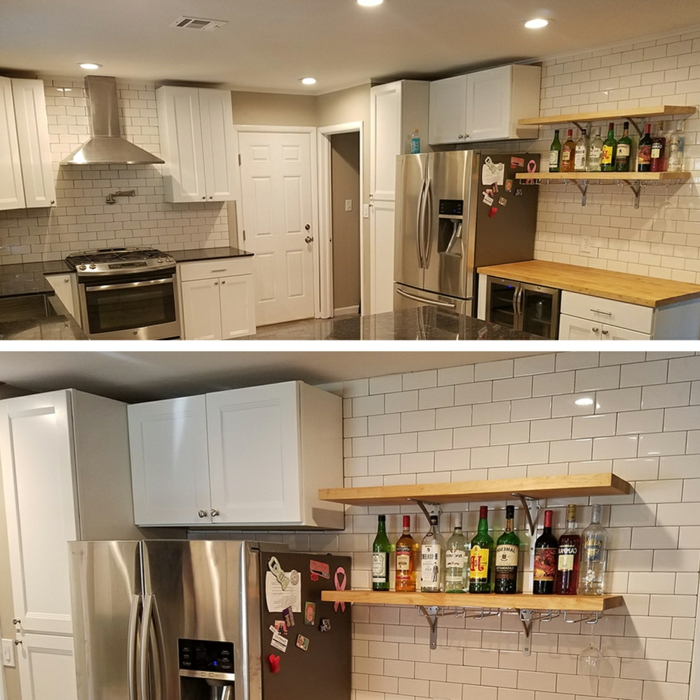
(37, 317)
(421, 323)
(22, 279)
(192, 255)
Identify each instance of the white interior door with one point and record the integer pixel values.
(36, 455)
(47, 667)
(276, 184)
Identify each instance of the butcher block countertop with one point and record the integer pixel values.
(634, 289)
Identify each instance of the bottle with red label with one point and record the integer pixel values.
(407, 555)
(481, 557)
(545, 566)
(568, 153)
(658, 151)
(644, 151)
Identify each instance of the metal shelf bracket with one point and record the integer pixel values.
(636, 190)
(633, 122)
(530, 506)
(582, 187)
(431, 614)
(433, 508)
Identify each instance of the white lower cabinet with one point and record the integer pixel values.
(246, 457)
(65, 466)
(66, 288)
(218, 299)
(573, 328)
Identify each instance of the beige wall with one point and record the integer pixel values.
(262, 108)
(345, 175)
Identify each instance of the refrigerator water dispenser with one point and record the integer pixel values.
(206, 670)
(450, 217)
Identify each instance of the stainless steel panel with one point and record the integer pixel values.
(410, 298)
(203, 590)
(502, 302)
(107, 607)
(539, 310)
(446, 272)
(411, 174)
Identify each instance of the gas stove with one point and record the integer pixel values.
(119, 261)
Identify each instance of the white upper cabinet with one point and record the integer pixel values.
(26, 169)
(198, 144)
(245, 457)
(484, 106)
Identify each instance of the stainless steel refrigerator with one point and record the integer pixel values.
(457, 211)
(207, 620)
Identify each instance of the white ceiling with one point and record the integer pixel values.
(269, 45)
(145, 375)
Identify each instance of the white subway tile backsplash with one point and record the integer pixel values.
(554, 429)
(450, 376)
(594, 425)
(662, 444)
(618, 400)
(517, 388)
(531, 409)
(401, 401)
(573, 405)
(479, 392)
(437, 397)
(501, 369)
(537, 364)
(489, 413)
(666, 395)
(553, 384)
(453, 417)
(598, 379)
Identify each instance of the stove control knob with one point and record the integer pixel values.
(160, 260)
(82, 267)
(93, 266)
(170, 258)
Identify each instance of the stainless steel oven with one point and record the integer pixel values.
(127, 294)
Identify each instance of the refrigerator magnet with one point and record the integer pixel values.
(309, 613)
(275, 568)
(325, 625)
(319, 568)
(502, 201)
(493, 212)
(303, 643)
(509, 185)
(281, 627)
(278, 641)
(274, 662)
(517, 162)
(288, 617)
(487, 200)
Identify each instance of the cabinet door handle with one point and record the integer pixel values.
(214, 512)
(220, 269)
(223, 281)
(595, 330)
(600, 311)
(606, 332)
(217, 282)
(202, 513)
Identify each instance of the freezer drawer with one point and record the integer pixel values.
(406, 297)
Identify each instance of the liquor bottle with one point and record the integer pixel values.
(481, 557)
(658, 151)
(555, 154)
(545, 566)
(676, 147)
(568, 558)
(457, 560)
(380, 557)
(507, 555)
(581, 153)
(644, 151)
(568, 153)
(432, 553)
(607, 161)
(623, 153)
(407, 553)
(595, 154)
(594, 554)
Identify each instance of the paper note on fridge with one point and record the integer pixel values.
(492, 173)
(277, 599)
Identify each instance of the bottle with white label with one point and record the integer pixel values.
(594, 551)
(595, 155)
(581, 153)
(676, 146)
(380, 557)
(457, 560)
(432, 560)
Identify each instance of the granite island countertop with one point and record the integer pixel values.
(37, 317)
(197, 254)
(22, 279)
(421, 323)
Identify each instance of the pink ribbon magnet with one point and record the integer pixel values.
(531, 168)
(339, 587)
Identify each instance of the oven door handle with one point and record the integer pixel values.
(127, 285)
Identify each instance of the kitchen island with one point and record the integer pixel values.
(420, 323)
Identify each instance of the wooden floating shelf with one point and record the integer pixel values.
(517, 601)
(632, 177)
(612, 115)
(606, 484)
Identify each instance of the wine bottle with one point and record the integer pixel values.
(407, 552)
(432, 575)
(555, 154)
(594, 551)
(457, 560)
(595, 154)
(644, 151)
(658, 151)
(568, 153)
(676, 147)
(607, 162)
(581, 153)
(568, 557)
(481, 557)
(623, 153)
(380, 557)
(507, 556)
(545, 566)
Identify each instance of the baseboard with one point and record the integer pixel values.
(345, 310)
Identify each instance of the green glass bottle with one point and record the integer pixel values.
(381, 548)
(507, 556)
(481, 557)
(607, 164)
(555, 154)
(623, 155)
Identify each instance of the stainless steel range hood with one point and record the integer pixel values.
(106, 147)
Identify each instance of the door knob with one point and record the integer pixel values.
(214, 512)
(309, 239)
(307, 227)
(18, 642)
(15, 621)
(202, 514)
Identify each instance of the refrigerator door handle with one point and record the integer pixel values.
(419, 225)
(427, 220)
(133, 634)
(159, 647)
(443, 304)
(145, 644)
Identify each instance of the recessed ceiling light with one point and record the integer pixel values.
(90, 66)
(369, 3)
(308, 81)
(536, 23)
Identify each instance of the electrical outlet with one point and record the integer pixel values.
(348, 205)
(586, 248)
(8, 653)
(365, 211)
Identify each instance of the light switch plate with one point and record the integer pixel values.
(586, 248)
(8, 653)
(348, 205)
(365, 211)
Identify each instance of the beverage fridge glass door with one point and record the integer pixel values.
(107, 612)
(411, 192)
(501, 302)
(539, 310)
(447, 217)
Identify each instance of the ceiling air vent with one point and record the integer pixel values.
(205, 25)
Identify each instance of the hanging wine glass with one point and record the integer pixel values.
(590, 659)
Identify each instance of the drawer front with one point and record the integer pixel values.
(210, 269)
(615, 313)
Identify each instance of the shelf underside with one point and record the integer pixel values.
(565, 486)
(632, 177)
(517, 601)
(612, 115)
